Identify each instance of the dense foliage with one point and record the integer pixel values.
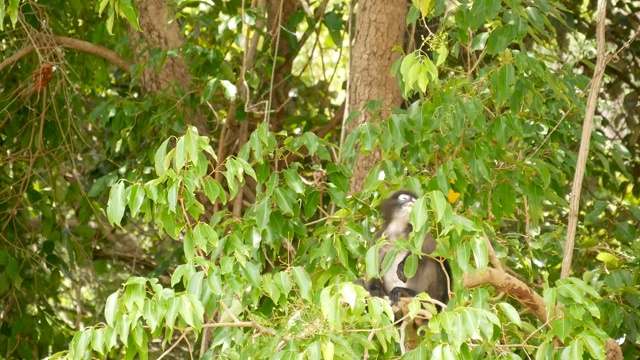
(128, 230)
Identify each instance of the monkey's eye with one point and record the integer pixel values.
(405, 198)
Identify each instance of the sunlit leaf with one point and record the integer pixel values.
(116, 204)
(303, 282)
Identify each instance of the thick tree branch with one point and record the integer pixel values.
(17, 56)
(510, 285)
(74, 44)
(90, 48)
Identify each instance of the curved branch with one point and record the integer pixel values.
(74, 44)
(17, 56)
(85, 46)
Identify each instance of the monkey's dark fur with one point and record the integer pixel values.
(432, 276)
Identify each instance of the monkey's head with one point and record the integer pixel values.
(397, 207)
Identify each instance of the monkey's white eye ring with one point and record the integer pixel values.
(406, 197)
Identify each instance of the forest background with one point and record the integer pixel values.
(201, 178)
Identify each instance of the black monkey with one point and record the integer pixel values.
(430, 276)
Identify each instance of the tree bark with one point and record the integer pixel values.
(279, 14)
(380, 25)
(159, 33)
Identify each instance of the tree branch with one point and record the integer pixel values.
(510, 285)
(85, 46)
(592, 100)
(74, 44)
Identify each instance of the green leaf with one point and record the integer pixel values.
(263, 212)
(194, 284)
(407, 63)
(626, 232)
(173, 305)
(136, 197)
(443, 53)
(387, 262)
(191, 143)
(438, 204)
(479, 41)
(311, 202)
(178, 274)
(294, 181)
(503, 83)
(181, 153)
(116, 204)
(158, 159)
(480, 252)
(463, 254)
(328, 350)
(192, 311)
(424, 6)
(371, 262)
(419, 216)
(284, 201)
(584, 287)
(594, 345)
(608, 258)
(574, 351)
(101, 6)
(230, 90)
(209, 89)
(82, 340)
(445, 351)
(97, 341)
(544, 351)
(189, 245)
(505, 195)
(252, 273)
(205, 235)
(413, 15)
(511, 313)
(492, 8)
(172, 196)
(330, 307)
(110, 20)
(411, 265)
(211, 189)
(111, 309)
(246, 168)
(128, 10)
(498, 40)
(303, 282)
(215, 283)
(134, 294)
(283, 281)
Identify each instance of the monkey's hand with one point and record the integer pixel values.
(400, 271)
(399, 292)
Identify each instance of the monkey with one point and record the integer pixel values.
(432, 276)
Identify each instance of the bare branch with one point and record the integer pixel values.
(85, 46)
(592, 100)
(74, 44)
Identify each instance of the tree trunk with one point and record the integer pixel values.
(380, 25)
(279, 15)
(159, 33)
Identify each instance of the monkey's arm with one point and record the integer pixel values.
(376, 288)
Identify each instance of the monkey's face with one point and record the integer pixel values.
(398, 206)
